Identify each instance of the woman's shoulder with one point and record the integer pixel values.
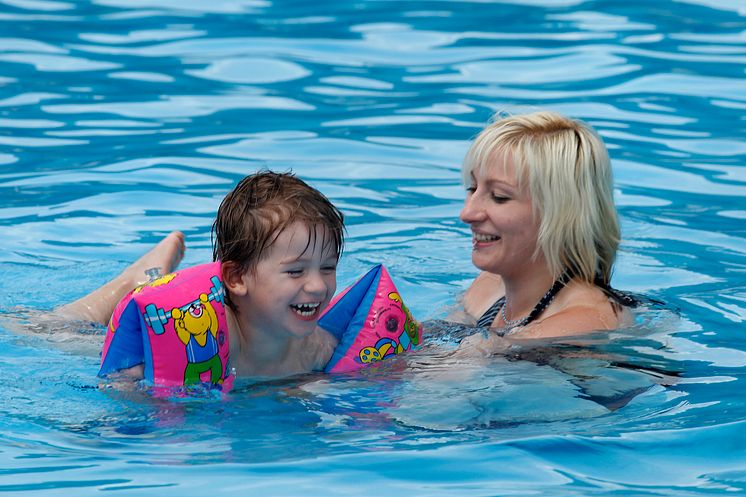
(482, 293)
(580, 308)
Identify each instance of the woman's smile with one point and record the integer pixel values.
(481, 239)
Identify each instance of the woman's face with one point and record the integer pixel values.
(504, 230)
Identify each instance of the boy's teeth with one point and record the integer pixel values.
(305, 309)
(485, 238)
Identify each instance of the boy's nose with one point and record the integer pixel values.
(315, 283)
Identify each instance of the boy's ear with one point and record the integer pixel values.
(233, 278)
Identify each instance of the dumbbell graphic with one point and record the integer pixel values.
(157, 318)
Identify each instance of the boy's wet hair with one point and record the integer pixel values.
(263, 205)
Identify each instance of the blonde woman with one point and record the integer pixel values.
(544, 229)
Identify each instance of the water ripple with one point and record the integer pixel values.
(180, 106)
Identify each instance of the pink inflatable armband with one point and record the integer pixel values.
(370, 321)
(175, 326)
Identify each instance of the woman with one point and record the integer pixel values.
(544, 228)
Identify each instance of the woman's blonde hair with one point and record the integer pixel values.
(567, 169)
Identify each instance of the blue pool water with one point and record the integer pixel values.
(121, 120)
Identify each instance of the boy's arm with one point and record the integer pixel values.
(135, 372)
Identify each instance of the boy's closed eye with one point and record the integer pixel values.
(329, 268)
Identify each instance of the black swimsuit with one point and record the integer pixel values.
(489, 317)
(619, 297)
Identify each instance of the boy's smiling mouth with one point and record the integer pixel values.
(306, 311)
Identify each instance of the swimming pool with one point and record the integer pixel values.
(123, 120)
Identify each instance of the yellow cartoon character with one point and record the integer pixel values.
(197, 328)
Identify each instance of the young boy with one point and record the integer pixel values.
(279, 241)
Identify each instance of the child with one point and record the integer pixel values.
(279, 241)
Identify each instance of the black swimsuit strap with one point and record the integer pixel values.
(621, 298)
(489, 316)
(542, 305)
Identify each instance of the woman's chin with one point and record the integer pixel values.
(484, 264)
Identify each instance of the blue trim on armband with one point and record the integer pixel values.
(347, 317)
(148, 373)
(126, 347)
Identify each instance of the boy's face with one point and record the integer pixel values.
(292, 284)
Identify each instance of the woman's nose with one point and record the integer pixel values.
(471, 212)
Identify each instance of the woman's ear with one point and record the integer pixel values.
(234, 278)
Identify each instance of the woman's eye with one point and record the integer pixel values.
(500, 199)
(471, 189)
